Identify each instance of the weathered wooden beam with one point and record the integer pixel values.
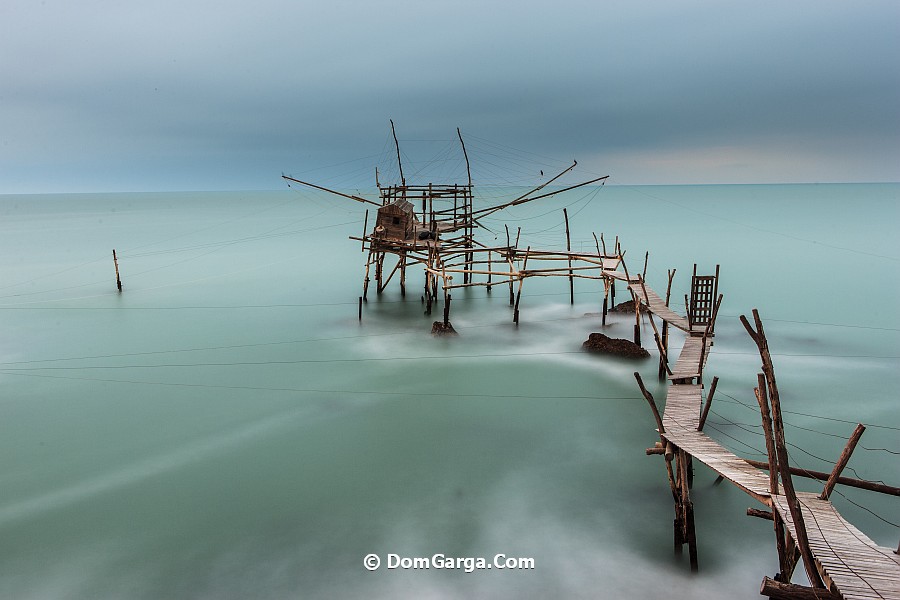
(762, 400)
(822, 476)
(791, 591)
(708, 404)
(649, 397)
(842, 461)
(762, 514)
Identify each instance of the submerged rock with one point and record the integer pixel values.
(625, 307)
(438, 328)
(597, 342)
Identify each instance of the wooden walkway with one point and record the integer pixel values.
(691, 359)
(846, 557)
(657, 306)
(850, 564)
(681, 419)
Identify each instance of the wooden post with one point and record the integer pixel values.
(762, 400)
(365, 228)
(360, 308)
(509, 258)
(403, 275)
(637, 320)
(649, 397)
(521, 281)
(605, 302)
(366, 279)
(646, 258)
(708, 404)
(490, 271)
(447, 311)
(116, 264)
(842, 461)
(759, 337)
(569, 250)
(379, 272)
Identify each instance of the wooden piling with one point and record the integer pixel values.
(116, 264)
(569, 249)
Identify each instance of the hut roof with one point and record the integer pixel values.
(404, 205)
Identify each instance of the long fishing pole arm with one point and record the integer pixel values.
(324, 189)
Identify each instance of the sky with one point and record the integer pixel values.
(101, 96)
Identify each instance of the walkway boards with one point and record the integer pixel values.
(658, 307)
(857, 566)
(680, 420)
(688, 364)
(845, 556)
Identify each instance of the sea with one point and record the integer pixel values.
(227, 427)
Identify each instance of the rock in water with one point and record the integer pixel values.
(625, 307)
(597, 342)
(438, 328)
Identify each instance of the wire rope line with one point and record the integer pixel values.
(763, 230)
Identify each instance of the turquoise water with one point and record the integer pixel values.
(227, 428)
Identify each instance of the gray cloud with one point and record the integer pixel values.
(204, 95)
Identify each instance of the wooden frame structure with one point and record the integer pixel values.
(434, 226)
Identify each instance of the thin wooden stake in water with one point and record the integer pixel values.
(116, 263)
(569, 249)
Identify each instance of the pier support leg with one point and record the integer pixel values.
(684, 510)
(403, 275)
(379, 271)
(605, 309)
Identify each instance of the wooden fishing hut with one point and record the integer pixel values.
(434, 226)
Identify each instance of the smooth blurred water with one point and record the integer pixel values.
(227, 428)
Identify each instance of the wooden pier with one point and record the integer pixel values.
(433, 226)
(840, 561)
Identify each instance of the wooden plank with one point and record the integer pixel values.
(657, 306)
(855, 564)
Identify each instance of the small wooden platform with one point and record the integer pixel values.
(657, 306)
(619, 275)
(845, 557)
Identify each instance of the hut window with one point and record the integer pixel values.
(396, 220)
